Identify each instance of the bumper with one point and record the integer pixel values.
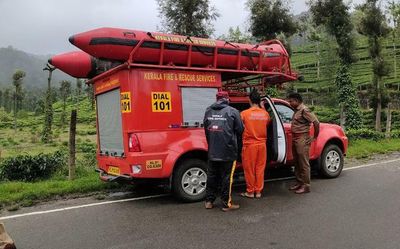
(104, 176)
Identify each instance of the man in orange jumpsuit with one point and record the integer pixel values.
(254, 152)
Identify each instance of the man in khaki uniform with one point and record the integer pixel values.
(301, 141)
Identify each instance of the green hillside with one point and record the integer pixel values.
(12, 59)
(304, 60)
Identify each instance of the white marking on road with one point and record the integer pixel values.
(81, 206)
(162, 195)
(372, 164)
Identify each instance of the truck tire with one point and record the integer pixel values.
(189, 180)
(331, 161)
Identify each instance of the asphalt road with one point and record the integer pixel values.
(360, 209)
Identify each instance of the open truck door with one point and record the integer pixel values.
(276, 141)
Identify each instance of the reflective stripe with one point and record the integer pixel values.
(230, 184)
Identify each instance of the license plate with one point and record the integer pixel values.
(113, 170)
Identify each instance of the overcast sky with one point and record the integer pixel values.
(43, 26)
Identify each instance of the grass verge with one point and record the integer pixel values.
(364, 148)
(27, 193)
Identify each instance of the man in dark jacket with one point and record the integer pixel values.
(223, 127)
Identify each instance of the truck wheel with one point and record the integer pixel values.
(189, 180)
(331, 161)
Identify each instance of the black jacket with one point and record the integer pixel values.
(223, 127)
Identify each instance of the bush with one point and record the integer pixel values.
(327, 115)
(85, 164)
(87, 147)
(31, 168)
(86, 132)
(364, 133)
(11, 141)
(56, 135)
(395, 134)
(34, 139)
(91, 132)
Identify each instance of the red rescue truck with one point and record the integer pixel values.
(150, 108)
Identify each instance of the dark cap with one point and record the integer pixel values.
(222, 95)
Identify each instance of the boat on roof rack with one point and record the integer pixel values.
(106, 48)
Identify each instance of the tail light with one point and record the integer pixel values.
(133, 143)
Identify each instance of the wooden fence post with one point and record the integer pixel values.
(72, 134)
(388, 121)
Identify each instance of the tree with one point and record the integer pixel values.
(312, 33)
(78, 93)
(65, 92)
(39, 107)
(7, 100)
(90, 94)
(1, 98)
(48, 112)
(335, 16)
(30, 102)
(17, 82)
(269, 18)
(373, 25)
(394, 18)
(187, 17)
(346, 90)
(236, 35)
(18, 94)
(78, 88)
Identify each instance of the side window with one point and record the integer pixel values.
(284, 112)
(195, 101)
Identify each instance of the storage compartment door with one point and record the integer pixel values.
(110, 123)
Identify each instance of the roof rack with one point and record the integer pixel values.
(235, 79)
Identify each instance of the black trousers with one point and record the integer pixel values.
(220, 174)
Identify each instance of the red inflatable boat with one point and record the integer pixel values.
(79, 64)
(105, 48)
(117, 44)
